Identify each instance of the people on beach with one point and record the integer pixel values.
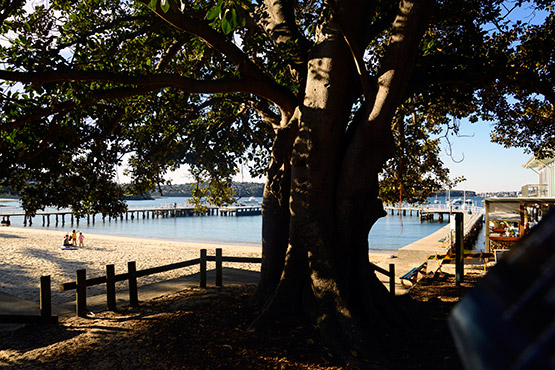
(81, 239)
(74, 238)
(67, 241)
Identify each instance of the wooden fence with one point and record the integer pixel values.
(45, 308)
(81, 283)
(390, 274)
(110, 279)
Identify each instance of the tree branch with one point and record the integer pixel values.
(8, 7)
(277, 18)
(67, 106)
(407, 30)
(160, 80)
(118, 23)
(262, 84)
(372, 143)
(169, 53)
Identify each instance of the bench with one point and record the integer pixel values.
(412, 275)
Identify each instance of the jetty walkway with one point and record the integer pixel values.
(428, 211)
(165, 211)
(440, 242)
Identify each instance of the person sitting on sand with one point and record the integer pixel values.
(74, 238)
(81, 239)
(67, 243)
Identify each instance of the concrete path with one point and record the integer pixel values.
(412, 255)
(10, 304)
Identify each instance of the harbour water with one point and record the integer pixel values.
(388, 234)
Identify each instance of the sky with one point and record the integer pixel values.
(487, 166)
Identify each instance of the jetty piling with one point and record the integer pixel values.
(168, 211)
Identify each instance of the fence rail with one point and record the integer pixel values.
(132, 274)
(81, 283)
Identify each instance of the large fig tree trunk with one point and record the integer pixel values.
(321, 201)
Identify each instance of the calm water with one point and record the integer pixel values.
(390, 233)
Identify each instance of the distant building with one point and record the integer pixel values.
(545, 168)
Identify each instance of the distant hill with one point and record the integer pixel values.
(242, 189)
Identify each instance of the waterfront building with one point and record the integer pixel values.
(508, 219)
(545, 168)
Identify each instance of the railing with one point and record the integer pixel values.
(45, 315)
(535, 191)
(452, 208)
(81, 283)
(390, 274)
(110, 279)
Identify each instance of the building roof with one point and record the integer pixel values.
(535, 163)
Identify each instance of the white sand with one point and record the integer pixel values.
(26, 254)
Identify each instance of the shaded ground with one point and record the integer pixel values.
(207, 329)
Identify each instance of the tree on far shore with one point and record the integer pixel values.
(313, 94)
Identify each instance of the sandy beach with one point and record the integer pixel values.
(26, 254)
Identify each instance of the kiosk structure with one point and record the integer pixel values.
(508, 219)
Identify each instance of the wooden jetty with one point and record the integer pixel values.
(427, 212)
(169, 211)
(415, 255)
(403, 210)
(240, 211)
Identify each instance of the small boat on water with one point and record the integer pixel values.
(455, 202)
(251, 202)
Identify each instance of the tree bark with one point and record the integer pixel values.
(275, 212)
(334, 187)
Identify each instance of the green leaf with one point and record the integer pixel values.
(229, 21)
(165, 4)
(214, 12)
(226, 27)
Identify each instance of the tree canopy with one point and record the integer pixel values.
(317, 95)
(84, 84)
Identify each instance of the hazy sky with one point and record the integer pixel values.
(485, 165)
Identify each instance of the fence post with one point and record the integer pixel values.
(203, 268)
(218, 266)
(459, 248)
(392, 278)
(133, 293)
(45, 298)
(81, 293)
(111, 287)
